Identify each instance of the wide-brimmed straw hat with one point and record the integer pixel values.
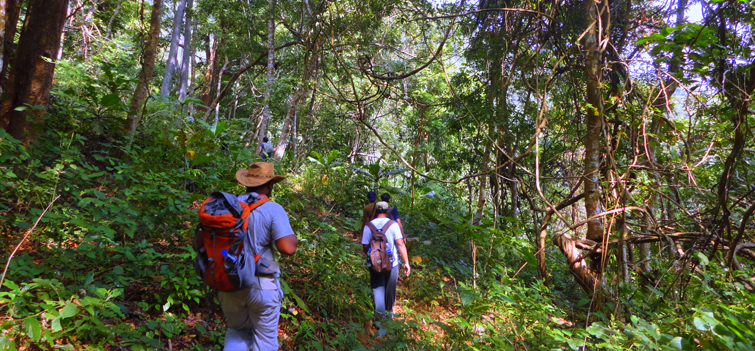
(257, 174)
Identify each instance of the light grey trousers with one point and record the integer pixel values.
(252, 316)
(384, 291)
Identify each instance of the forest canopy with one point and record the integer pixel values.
(570, 174)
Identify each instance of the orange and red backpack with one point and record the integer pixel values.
(219, 241)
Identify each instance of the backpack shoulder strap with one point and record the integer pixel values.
(387, 225)
(372, 227)
(260, 199)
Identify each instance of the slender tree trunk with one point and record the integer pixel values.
(218, 93)
(59, 55)
(33, 69)
(85, 29)
(416, 144)
(589, 277)
(186, 63)
(10, 21)
(112, 18)
(270, 70)
(289, 123)
(594, 122)
(208, 88)
(170, 66)
(148, 65)
(3, 19)
(484, 167)
(235, 76)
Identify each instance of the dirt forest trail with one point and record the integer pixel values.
(424, 313)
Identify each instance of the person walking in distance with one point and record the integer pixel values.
(381, 242)
(253, 313)
(392, 212)
(266, 149)
(368, 212)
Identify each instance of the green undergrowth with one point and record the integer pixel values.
(108, 267)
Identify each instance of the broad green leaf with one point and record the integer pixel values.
(111, 101)
(69, 310)
(700, 325)
(10, 285)
(220, 128)
(676, 343)
(90, 277)
(200, 159)
(33, 328)
(289, 292)
(529, 257)
(56, 327)
(703, 259)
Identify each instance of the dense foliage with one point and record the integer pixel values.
(571, 175)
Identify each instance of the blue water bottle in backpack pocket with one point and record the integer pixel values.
(229, 261)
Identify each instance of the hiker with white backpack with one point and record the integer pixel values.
(382, 241)
(266, 149)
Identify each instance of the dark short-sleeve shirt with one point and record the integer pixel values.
(393, 214)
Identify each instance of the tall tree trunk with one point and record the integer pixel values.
(170, 66)
(85, 29)
(4, 4)
(484, 167)
(33, 69)
(593, 121)
(262, 132)
(148, 65)
(112, 18)
(59, 55)
(589, 277)
(289, 123)
(209, 87)
(10, 21)
(186, 63)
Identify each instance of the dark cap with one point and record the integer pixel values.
(371, 196)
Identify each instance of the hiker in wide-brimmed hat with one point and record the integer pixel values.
(252, 314)
(259, 173)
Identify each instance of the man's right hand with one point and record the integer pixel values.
(407, 269)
